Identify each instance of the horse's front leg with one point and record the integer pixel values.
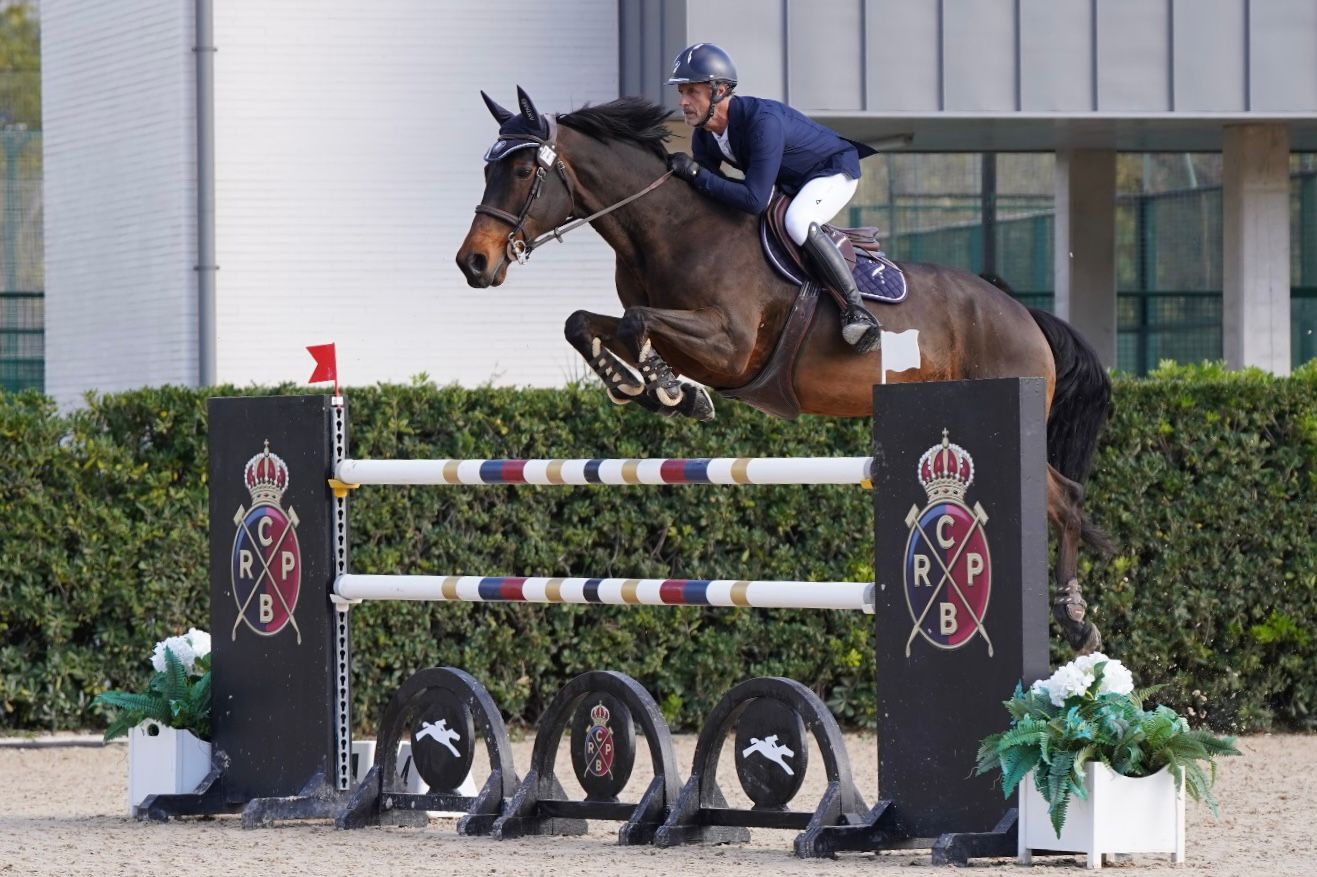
(594, 336)
(703, 340)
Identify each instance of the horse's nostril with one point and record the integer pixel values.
(476, 262)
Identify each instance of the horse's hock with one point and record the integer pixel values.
(960, 614)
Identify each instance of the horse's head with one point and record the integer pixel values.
(527, 192)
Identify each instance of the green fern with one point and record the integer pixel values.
(171, 698)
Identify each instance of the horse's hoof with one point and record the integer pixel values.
(698, 404)
(667, 398)
(1079, 635)
(1084, 638)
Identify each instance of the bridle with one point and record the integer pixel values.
(546, 159)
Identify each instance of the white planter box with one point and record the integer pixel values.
(164, 761)
(1121, 815)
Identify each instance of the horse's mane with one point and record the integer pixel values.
(632, 119)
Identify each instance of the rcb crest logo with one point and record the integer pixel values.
(947, 568)
(599, 744)
(266, 561)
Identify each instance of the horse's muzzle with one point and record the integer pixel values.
(475, 266)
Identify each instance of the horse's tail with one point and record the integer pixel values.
(1081, 403)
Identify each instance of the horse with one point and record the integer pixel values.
(703, 308)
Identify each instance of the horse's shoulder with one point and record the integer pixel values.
(630, 285)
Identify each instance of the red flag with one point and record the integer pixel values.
(326, 367)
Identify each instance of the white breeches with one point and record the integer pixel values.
(818, 201)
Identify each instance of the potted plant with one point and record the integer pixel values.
(168, 724)
(1097, 772)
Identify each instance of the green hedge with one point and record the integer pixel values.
(1205, 481)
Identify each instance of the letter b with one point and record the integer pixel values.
(947, 622)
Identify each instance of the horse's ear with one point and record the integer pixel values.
(532, 115)
(500, 115)
(527, 105)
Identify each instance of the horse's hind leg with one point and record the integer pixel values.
(1065, 511)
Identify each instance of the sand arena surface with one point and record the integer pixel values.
(62, 812)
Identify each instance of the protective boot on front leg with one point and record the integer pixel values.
(659, 378)
(620, 380)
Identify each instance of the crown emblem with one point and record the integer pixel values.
(600, 714)
(266, 477)
(946, 471)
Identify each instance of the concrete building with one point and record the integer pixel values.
(347, 141)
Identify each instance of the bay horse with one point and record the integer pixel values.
(702, 307)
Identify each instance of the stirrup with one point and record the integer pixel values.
(861, 330)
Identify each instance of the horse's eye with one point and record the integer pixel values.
(523, 172)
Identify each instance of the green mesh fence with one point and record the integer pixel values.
(22, 304)
(1303, 258)
(1168, 239)
(22, 340)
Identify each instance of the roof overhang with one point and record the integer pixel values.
(1023, 132)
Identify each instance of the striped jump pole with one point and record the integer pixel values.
(716, 470)
(612, 591)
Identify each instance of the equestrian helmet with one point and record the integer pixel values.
(703, 62)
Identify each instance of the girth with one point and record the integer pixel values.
(773, 390)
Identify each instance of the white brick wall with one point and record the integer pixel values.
(117, 93)
(349, 138)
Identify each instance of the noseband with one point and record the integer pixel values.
(546, 158)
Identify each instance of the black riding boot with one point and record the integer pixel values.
(859, 328)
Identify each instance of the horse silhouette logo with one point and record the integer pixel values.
(948, 568)
(440, 733)
(772, 750)
(266, 562)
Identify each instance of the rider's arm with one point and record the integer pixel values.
(764, 161)
(710, 161)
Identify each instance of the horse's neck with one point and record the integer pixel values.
(669, 220)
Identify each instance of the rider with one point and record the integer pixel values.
(772, 144)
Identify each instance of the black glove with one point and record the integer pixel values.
(682, 165)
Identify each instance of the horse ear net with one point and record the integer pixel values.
(500, 114)
(527, 105)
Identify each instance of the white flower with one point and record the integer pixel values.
(1117, 679)
(1067, 682)
(187, 648)
(200, 641)
(1077, 676)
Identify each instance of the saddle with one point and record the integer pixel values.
(876, 276)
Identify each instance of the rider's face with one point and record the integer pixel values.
(695, 98)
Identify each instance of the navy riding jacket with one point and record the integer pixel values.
(774, 145)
